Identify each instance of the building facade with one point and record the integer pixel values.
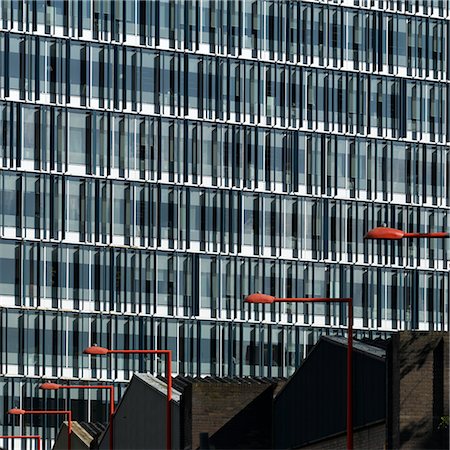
(160, 160)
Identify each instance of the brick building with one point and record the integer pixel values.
(419, 381)
(234, 412)
(401, 393)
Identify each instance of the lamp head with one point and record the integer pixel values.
(96, 350)
(49, 386)
(16, 411)
(391, 234)
(259, 298)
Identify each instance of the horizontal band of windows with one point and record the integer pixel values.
(303, 22)
(149, 282)
(208, 89)
(376, 136)
(155, 215)
(227, 156)
(384, 70)
(397, 259)
(177, 335)
(221, 185)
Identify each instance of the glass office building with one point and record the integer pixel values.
(160, 160)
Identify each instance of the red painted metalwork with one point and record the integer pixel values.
(392, 234)
(49, 386)
(56, 386)
(37, 437)
(18, 411)
(268, 299)
(259, 298)
(96, 350)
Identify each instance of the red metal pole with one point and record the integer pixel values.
(168, 354)
(438, 234)
(111, 417)
(268, 299)
(111, 405)
(349, 377)
(69, 428)
(111, 401)
(311, 300)
(68, 413)
(110, 388)
(169, 400)
(393, 234)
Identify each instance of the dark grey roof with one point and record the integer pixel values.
(180, 382)
(363, 347)
(377, 342)
(228, 380)
(94, 429)
(159, 384)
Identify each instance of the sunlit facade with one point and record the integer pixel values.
(160, 160)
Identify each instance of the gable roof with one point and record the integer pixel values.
(363, 347)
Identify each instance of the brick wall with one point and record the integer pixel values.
(372, 436)
(214, 404)
(421, 363)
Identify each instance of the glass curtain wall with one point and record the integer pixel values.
(160, 160)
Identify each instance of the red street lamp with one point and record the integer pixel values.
(268, 299)
(56, 386)
(392, 234)
(21, 412)
(96, 350)
(38, 438)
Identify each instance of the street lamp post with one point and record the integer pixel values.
(268, 299)
(56, 386)
(96, 350)
(38, 438)
(394, 234)
(21, 412)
